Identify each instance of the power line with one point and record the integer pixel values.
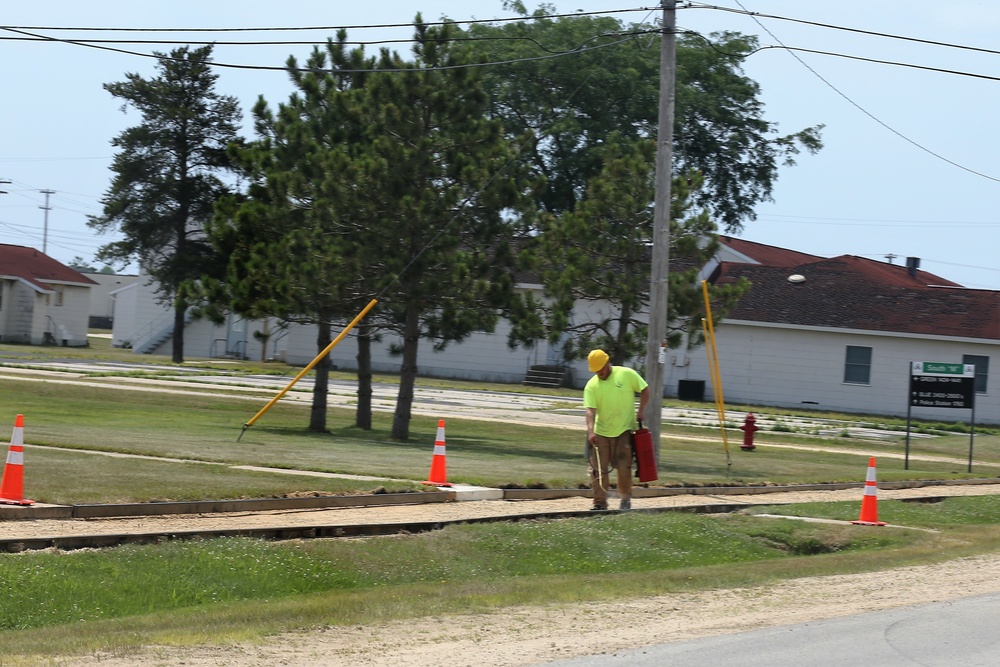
(97, 43)
(865, 111)
(27, 33)
(375, 42)
(334, 28)
(860, 31)
(51, 159)
(216, 42)
(964, 266)
(877, 61)
(284, 68)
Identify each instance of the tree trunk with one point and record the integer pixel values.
(265, 337)
(621, 348)
(180, 310)
(363, 418)
(317, 416)
(407, 375)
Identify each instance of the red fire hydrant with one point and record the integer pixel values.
(749, 428)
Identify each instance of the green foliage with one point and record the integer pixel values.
(607, 81)
(377, 184)
(600, 253)
(594, 111)
(83, 266)
(167, 176)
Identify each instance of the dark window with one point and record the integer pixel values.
(982, 365)
(858, 367)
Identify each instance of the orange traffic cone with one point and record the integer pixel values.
(439, 473)
(12, 484)
(869, 503)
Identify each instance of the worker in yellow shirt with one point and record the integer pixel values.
(609, 399)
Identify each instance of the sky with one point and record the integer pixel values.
(910, 165)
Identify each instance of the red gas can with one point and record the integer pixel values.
(645, 455)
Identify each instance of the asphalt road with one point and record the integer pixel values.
(942, 634)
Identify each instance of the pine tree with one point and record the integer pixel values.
(167, 176)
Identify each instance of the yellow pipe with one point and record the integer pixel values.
(308, 368)
(713, 364)
(713, 374)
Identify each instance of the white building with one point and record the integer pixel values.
(840, 338)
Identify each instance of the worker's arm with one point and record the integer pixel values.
(591, 417)
(643, 401)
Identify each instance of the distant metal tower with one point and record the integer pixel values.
(46, 208)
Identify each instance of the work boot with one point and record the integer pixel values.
(599, 507)
(625, 504)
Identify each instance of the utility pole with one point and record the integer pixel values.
(658, 280)
(4, 181)
(46, 208)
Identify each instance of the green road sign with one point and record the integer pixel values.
(938, 368)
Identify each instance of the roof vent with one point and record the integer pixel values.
(796, 279)
(912, 264)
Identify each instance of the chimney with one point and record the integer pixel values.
(912, 264)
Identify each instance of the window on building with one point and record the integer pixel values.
(59, 294)
(858, 366)
(982, 365)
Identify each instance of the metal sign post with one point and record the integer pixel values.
(942, 385)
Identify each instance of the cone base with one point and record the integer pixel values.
(436, 483)
(8, 501)
(869, 523)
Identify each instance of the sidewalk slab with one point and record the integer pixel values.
(468, 492)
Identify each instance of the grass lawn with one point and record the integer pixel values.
(200, 429)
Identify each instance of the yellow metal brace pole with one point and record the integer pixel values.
(308, 368)
(713, 368)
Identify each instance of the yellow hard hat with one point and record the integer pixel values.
(596, 360)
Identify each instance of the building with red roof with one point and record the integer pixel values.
(841, 333)
(42, 301)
